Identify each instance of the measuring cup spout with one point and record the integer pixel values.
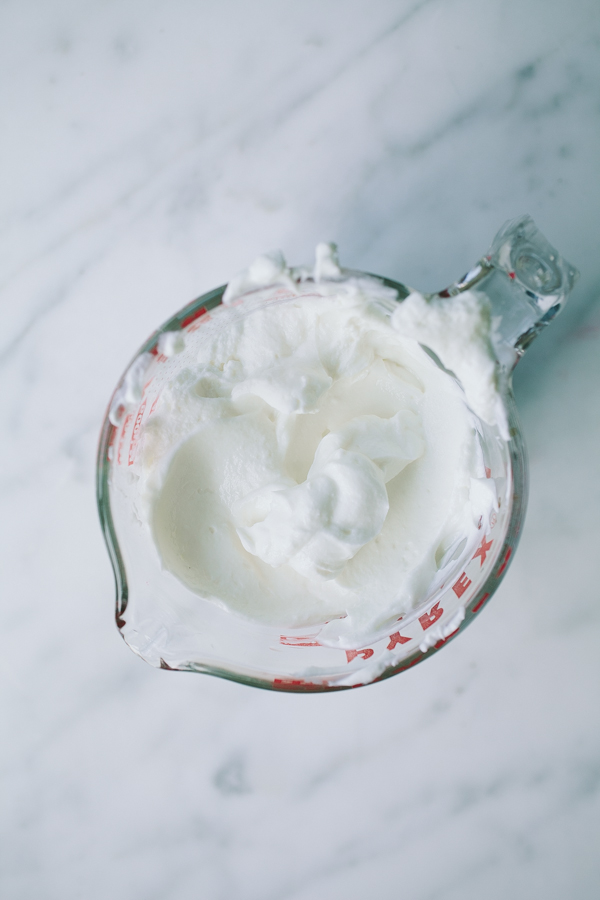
(526, 281)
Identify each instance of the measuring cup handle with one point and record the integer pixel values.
(526, 281)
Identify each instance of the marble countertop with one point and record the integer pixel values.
(148, 150)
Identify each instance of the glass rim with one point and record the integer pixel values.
(517, 498)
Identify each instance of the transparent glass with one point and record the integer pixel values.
(171, 627)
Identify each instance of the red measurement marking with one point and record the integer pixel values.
(482, 551)
(493, 520)
(397, 638)
(153, 407)
(298, 682)
(480, 603)
(304, 641)
(136, 433)
(432, 616)
(442, 641)
(193, 316)
(285, 294)
(488, 472)
(128, 419)
(461, 585)
(504, 562)
(410, 665)
(196, 325)
(352, 654)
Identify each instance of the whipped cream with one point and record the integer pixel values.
(317, 526)
(460, 331)
(309, 464)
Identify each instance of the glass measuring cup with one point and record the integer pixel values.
(171, 627)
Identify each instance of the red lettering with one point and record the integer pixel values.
(397, 638)
(483, 549)
(352, 654)
(461, 585)
(432, 616)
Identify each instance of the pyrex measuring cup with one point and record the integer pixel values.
(171, 627)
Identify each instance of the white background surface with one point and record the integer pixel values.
(148, 150)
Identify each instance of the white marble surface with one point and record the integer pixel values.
(148, 150)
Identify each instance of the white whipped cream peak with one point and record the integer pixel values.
(327, 266)
(271, 268)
